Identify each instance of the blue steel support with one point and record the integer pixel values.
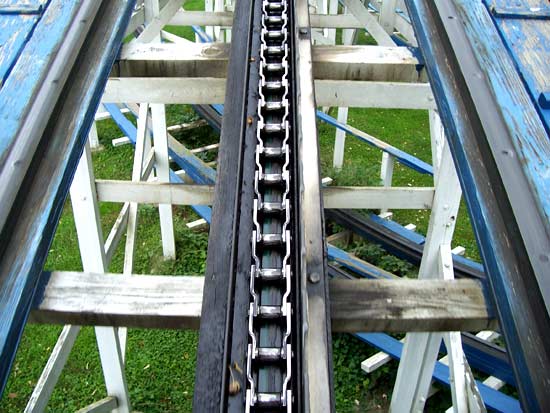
(502, 155)
(493, 399)
(33, 219)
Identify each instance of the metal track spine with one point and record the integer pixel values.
(270, 349)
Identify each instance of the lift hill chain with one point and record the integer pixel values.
(270, 343)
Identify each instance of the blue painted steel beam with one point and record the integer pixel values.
(401, 156)
(502, 155)
(493, 399)
(193, 166)
(25, 241)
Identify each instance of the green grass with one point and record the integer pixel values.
(160, 364)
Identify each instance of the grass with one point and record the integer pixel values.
(160, 364)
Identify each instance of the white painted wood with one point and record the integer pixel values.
(225, 19)
(165, 90)
(333, 196)
(332, 10)
(137, 169)
(209, 7)
(453, 342)
(152, 10)
(116, 232)
(375, 361)
(387, 15)
(437, 137)
(356, 8)
(112, 362)
(386, 172)
(106, 115)
(175, 39)
(162, 167)
(327, 180)
(93, 137)
(196, 223)
(420, 350)
(137, 19)
(90, 241)
(459, 250)
(152, 30)
(106, 405)
(342, 93)
(123, 140)
(218, 32)
(377, 197)
(340, 139)
(361, 94)
(44, 387)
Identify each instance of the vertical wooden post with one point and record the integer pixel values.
(386, 173)
(420, 350)
(162, 167)
(387, 15)
(90, 241)
(152, 10)
(340, 140)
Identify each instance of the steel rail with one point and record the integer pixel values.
(37, 207)
(496, 137)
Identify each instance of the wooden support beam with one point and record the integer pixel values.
(334, 197)
(208, 90)
(149, 301)
(146, 301)
(225, 19)
(408, 305)
(375, 63)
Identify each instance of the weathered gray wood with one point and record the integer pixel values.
(408, 305)
(149, 301)
(121, 300)
(374, 63)
(337, 197)
(108, 404)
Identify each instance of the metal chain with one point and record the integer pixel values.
(269, 319)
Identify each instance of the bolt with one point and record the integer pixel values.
(314, 277)
(303, 30)
(252, 59)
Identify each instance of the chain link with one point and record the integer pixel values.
(269, 318)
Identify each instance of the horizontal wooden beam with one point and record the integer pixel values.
(207, 90)
(149, 301)
(376, 63)
(408, 305)
(225, 19)
(335, 197)
(143, 301)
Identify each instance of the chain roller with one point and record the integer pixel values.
(269, 319)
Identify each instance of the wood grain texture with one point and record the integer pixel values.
(121, 300)
(156, 301)
(408, 305)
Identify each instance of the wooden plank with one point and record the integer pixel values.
(334, 197)
(151, 301)
(208, 90)
(373, 63)
(154, 193)
(359, 10)
(408, 305)
(108, 404)
(121, 300)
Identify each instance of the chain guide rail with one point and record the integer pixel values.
(270, 346)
